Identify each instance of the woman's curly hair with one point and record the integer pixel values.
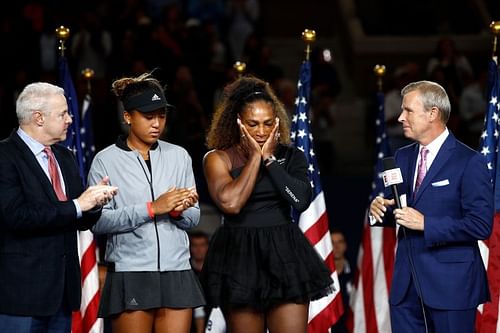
(224, 131)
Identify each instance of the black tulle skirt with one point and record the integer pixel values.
(263, 267)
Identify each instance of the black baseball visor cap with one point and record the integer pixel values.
(150, 100)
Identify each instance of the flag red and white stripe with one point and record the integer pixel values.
(370, 300)
(488, 313)
(325, 312)
(86, 320)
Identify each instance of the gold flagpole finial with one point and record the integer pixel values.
(379, 71)
(62, 34)
(88, 74)
(495, 30)
(240, 68)
(309, 37)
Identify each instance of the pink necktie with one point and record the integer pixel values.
(422, 169)
(54, 174)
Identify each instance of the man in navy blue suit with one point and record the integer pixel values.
(39, 266)
(439, 278)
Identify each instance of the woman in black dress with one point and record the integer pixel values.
(260, 269)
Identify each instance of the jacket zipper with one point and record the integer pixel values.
(150, 182)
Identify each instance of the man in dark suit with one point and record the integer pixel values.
(439, 278)
(42, 205)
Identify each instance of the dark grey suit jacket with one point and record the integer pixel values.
(39, 266)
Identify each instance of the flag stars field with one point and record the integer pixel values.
(302, 116)
(485, 151)
(487, 319)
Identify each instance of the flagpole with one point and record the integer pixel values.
(375, 264)
(91, 287)
(240, 68)
(85, 320)
(88, 75)
(495, 30)
(72, 140)
(487, 319)
(309, 37)
(313, 222)
(379, 71)
(62, 34)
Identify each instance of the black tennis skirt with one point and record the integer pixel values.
(263, 267)
(129, 291)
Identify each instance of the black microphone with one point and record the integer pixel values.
(392, 177)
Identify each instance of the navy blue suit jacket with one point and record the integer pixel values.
(39, 266)
(456, 199)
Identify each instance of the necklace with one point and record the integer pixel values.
(144, 154)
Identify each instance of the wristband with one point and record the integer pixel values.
(174, 214)
(151, 212)
(269, 160)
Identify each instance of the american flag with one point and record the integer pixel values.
(370, 301)
(84, 321)
(487, 319)
(87, 134)
(72, 141)
(323, 313)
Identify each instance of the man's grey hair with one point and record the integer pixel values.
(432, 94)
(34, 97)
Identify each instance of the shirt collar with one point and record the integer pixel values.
(436, 144)
(35, 146)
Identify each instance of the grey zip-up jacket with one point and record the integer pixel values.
(136, 242)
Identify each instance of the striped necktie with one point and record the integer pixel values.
(54, 174)
(422, 169)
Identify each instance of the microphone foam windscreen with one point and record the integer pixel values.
(389, 163)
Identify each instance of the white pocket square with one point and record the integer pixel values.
(443, 182)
